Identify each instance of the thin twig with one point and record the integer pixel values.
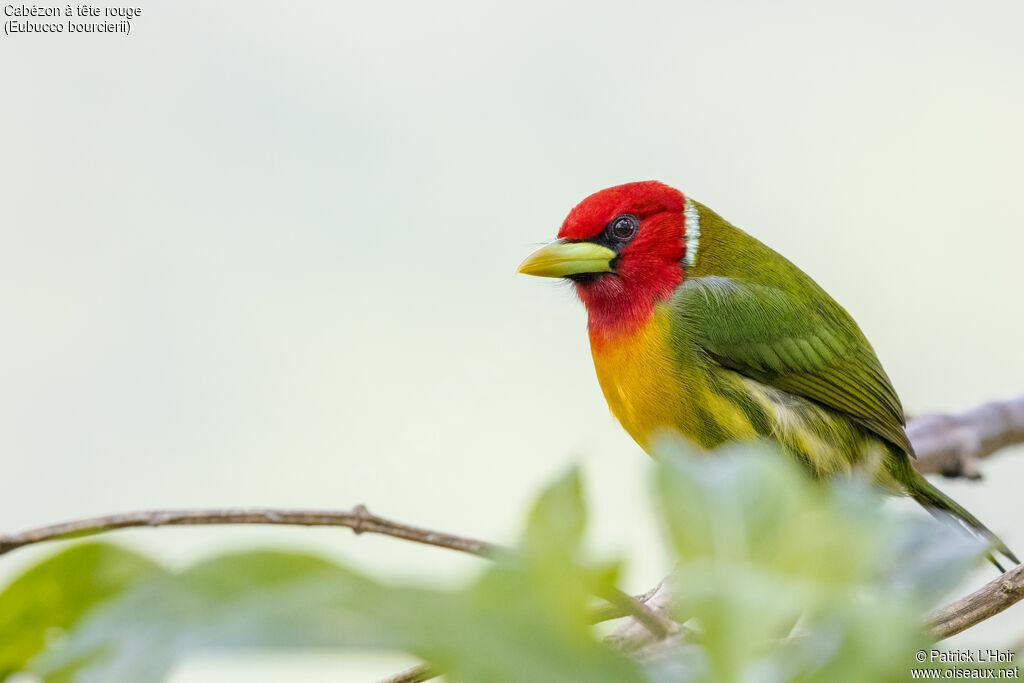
(417, 674)
(359, 519)
(652, 620)
(630, 636)
(611, 611)
(989, 600)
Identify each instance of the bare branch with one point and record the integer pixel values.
(359, 519)
(989, 600)
(416, 674)
(951, 445)
(610, 611)
(658, 624)
(630, 638)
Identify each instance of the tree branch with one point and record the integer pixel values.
(359, 519)
(417, 674)
(951, 445)
(987, 601)
(657, 624)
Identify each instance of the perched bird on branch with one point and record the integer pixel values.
(697, 326)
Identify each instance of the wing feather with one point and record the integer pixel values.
(797, 344)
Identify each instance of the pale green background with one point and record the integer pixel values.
(263, 253)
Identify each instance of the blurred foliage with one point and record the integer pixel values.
(760, 547)
(55, 594)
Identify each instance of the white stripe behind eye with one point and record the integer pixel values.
(692, 235)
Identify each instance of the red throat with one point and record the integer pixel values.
(647, 270)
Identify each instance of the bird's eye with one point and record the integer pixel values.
(624, 227)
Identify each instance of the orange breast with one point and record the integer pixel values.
(651, 386)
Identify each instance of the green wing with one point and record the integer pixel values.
(802, 343)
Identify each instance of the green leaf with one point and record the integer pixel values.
(55, 593)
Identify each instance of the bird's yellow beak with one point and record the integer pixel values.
(568, 258)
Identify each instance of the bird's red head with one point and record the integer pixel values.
(623, 248)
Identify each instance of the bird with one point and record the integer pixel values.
(697, 327)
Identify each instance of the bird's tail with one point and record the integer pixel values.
(934, 500)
